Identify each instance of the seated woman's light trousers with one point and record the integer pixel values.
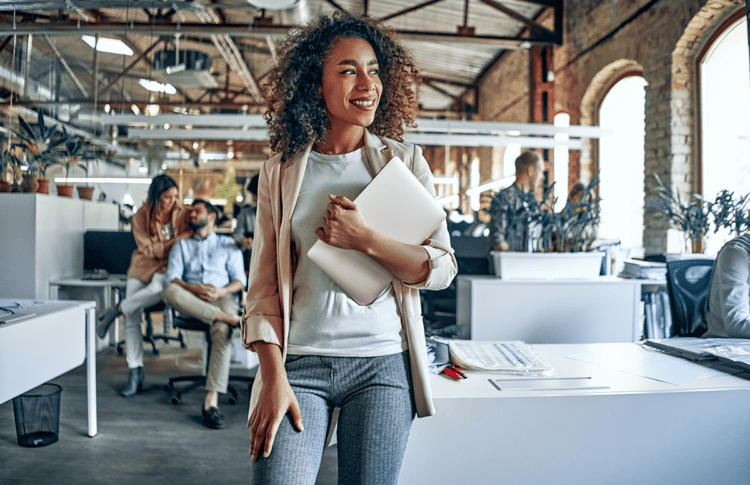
(138, 296)
(376, 411)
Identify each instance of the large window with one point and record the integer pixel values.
(725, 118)
(621, 163)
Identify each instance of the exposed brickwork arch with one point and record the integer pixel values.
(681, 168)
(698, 33)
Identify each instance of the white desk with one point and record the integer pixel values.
(107, 293)
(605, 309)
(690, 427)
(56, 339)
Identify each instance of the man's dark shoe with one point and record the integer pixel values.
(106, 320)
(212, 417)
(135, 382)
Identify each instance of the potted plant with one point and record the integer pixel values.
(36, 141)
(10, 167)
(69, 157)
(692, 218)
(86, 191)
(556, 242)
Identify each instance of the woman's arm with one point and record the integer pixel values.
(148, 245)
(344, 227)
(733, 273)
(276, 398)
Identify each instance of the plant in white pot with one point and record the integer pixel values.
(555, 242)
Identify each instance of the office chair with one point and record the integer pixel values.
(184, 322)
(688, 283)
(150, 336)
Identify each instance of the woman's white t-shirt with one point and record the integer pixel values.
(324, 319)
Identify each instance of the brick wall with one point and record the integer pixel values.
(603, 40)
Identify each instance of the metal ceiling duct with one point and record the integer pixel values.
(184, 68)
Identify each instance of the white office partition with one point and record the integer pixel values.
(41, 239)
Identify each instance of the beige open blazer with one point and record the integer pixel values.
(268, 305)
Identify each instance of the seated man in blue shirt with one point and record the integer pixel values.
(729, 296)
(204, 275)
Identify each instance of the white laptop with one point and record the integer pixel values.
(395, 204)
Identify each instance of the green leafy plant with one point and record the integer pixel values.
(731, 214)
(564, 231)
(693, 218)
(37, 142)
(72, 154)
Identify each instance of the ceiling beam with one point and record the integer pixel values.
(65, 65)
(409, 10)
(442, 91)
(129, 67)
(448, 82)
(244, 30)
(335, 5)
(534, 27)
(424, 125)
(235, 105)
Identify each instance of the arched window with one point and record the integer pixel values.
(724, 79)
(621, 163)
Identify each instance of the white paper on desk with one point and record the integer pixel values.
(649, 364)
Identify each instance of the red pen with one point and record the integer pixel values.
(458, 371)
(451, 373)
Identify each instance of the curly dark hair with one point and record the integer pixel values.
(296, 113)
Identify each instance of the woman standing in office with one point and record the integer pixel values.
(160, 222)
(340, 97)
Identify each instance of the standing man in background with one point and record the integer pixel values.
(505, 236)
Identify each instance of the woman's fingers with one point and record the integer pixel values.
(266, 423)
(296, 413)
(258, 433)
(270, 435)
(342, 201)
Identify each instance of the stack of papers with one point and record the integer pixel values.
(732, 351)
(643, 270)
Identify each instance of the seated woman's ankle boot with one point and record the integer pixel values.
(106, 320)
(135, 382)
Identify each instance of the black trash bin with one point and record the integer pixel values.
(38, 415)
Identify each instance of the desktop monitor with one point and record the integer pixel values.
(108, 250)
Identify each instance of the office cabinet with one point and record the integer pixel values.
(598, 310)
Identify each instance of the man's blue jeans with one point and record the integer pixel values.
(376, 411)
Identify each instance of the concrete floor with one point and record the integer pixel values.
(141, 440)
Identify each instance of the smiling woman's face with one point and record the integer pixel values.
(168, 199)
(351, 85)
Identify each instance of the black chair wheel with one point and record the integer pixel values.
(156, 351)
(183, 345)
(232, 400)
(119, 350)
(175, 400)
(168, 387)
